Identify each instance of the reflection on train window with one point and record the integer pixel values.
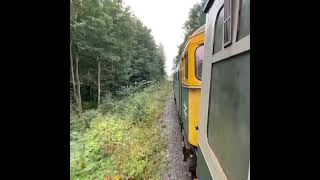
(244, 19)
(229, 115)
(199, 52)
(227, 22)
(217, 45)
(186, 59)
(182, 70)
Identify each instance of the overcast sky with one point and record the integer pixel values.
(165, 18)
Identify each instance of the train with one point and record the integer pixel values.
(211, 84)
(187, 89)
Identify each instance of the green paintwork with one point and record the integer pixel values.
(180, 88)
(185, 110)
(244, 19)
(229, 103)
(229, 115)
(203, 172)
(177, 91)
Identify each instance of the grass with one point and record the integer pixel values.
(121, 140)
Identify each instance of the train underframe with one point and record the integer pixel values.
(189, 151)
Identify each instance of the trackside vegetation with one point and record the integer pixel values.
(121, 139)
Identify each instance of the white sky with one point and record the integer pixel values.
(165, 18)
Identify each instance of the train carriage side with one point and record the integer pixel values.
(177, 87)
(191, 68)
(179, 90)
(224, 127)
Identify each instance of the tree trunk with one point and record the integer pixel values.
(72, 76)
(99, 71)
(78, 83)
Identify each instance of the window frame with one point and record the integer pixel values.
(239, 10)
(227, 21)
(195, 61)
(215, 30)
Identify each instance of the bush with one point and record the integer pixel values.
(86, 105)
(130, 90)
(122, 138)
(80, 122)
(107, 103)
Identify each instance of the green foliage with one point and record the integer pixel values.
(107, 103)
(123, 140)
(79, 123)
(86, 105)
(106, 31)
(120, 137)
(130, 90)
(195, 20)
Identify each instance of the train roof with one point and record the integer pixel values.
(199, 30)
(196, 32)
(207, 5)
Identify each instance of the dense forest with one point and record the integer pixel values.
(195, 20)
(110, 48)
(117, 93)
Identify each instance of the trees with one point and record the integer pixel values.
(162, 59)
(109, 48)
(195, 20)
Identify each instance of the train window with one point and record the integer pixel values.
(217, 45)
(186, 59)
(229, 115)
(178, 72)
(227, 22)
(199, 52)
(244, 19)
(183, 65)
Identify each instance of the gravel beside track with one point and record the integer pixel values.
(178, 169)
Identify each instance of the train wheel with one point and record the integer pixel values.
(185, 156)
(186, 153)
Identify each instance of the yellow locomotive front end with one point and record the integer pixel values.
(188, 90)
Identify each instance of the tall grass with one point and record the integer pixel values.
(121, 138)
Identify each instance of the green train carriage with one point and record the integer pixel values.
(224, 127)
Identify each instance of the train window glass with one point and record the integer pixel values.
(217, 45)
(229, 115)
(182, 70)
(244, 19)
(186, 59)
(227, 22)
(179, 73)
(199, 53)
(227, 32)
